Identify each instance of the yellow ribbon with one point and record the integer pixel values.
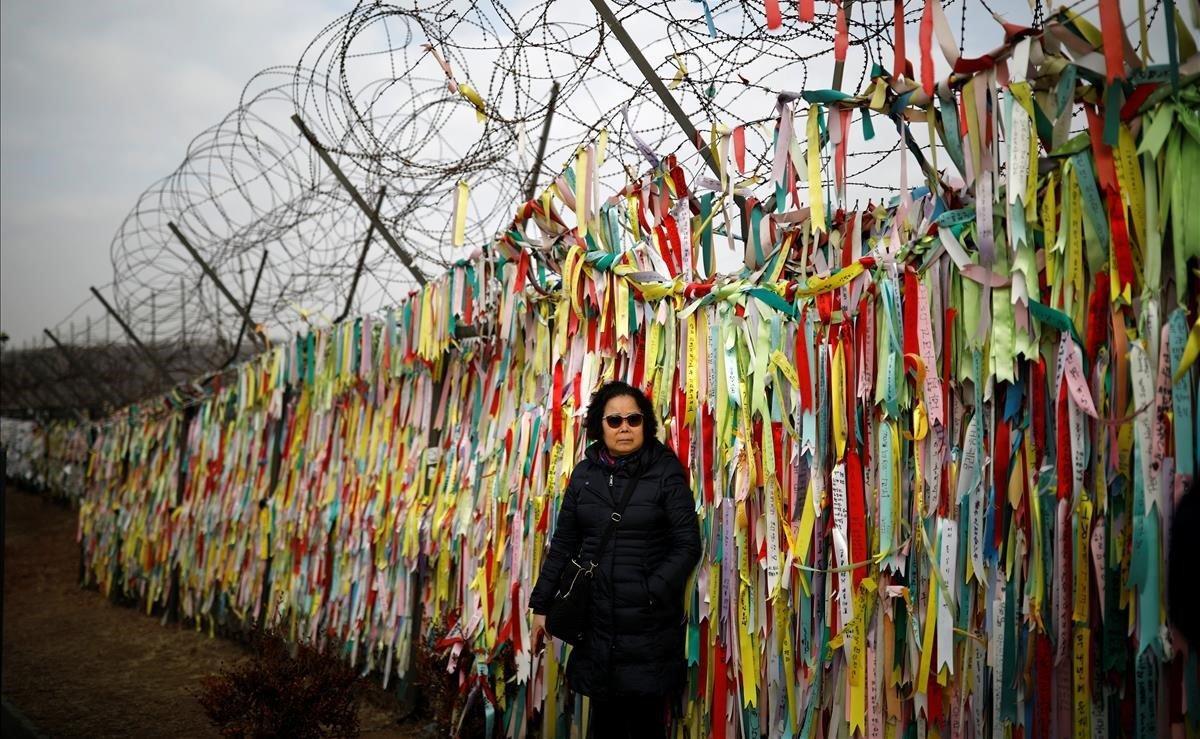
(815, 196)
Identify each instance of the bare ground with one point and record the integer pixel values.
(75, 664)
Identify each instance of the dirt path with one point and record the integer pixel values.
(75, 664)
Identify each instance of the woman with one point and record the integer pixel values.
(631, 660)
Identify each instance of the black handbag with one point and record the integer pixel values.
(571, 610)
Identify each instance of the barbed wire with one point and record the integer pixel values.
(371, 88)
(410, 98)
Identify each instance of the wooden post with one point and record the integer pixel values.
(237, 348)
(154, 360)
(220, 332)
(656, 84)
(212, 275)
(531, 183)
(362, 257)
(183, 312)
(668, 100)
(404, 256)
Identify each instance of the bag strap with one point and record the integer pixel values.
(616, 515)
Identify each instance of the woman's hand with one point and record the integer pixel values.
(538, 632)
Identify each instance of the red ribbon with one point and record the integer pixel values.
(639, 360)
(1042, 673)
(681, 188)
(641, 215)
(544, 520)
(839, 162)
(791, 180)
(1063, 450)
(841, 40)
(664, 249)
(848, 244)
(683, 434)
(695, 290)
(1097, 326)
(901, 61)
(739, 148)
(933, 691)
(1039, 408)
(846, 339)
(855, 506)
(720, 691)
(707, 449)
(522, 269)
(774, 18)
(806, 402)
(1000, 472)
(1130, 109)
(676, 247)
(516, 608)
(1106, 171)
(487, 576)
(926, 39)
(1120, 239)
(972, 66)
(556, 394)
(1112, 32)
(911, 321)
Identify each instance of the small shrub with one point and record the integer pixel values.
(435, 690)
(276, 694)
(448, 693)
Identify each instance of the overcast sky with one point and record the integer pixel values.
(97, 101)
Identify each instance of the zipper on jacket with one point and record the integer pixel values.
(612, 646)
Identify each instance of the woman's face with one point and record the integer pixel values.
(626, 438)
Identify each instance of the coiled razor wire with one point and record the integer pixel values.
(373, 90)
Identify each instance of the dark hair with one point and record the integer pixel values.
(594, 420)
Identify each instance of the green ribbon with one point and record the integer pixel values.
(957, 217)
(1093, 206)
(953, 139)
(824, 97)
(1055, 319)
(773, 300)
(1114, 98)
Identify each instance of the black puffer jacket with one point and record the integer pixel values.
(636, 641)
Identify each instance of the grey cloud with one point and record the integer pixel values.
(97, 101)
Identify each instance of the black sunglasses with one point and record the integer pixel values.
(614, 421)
